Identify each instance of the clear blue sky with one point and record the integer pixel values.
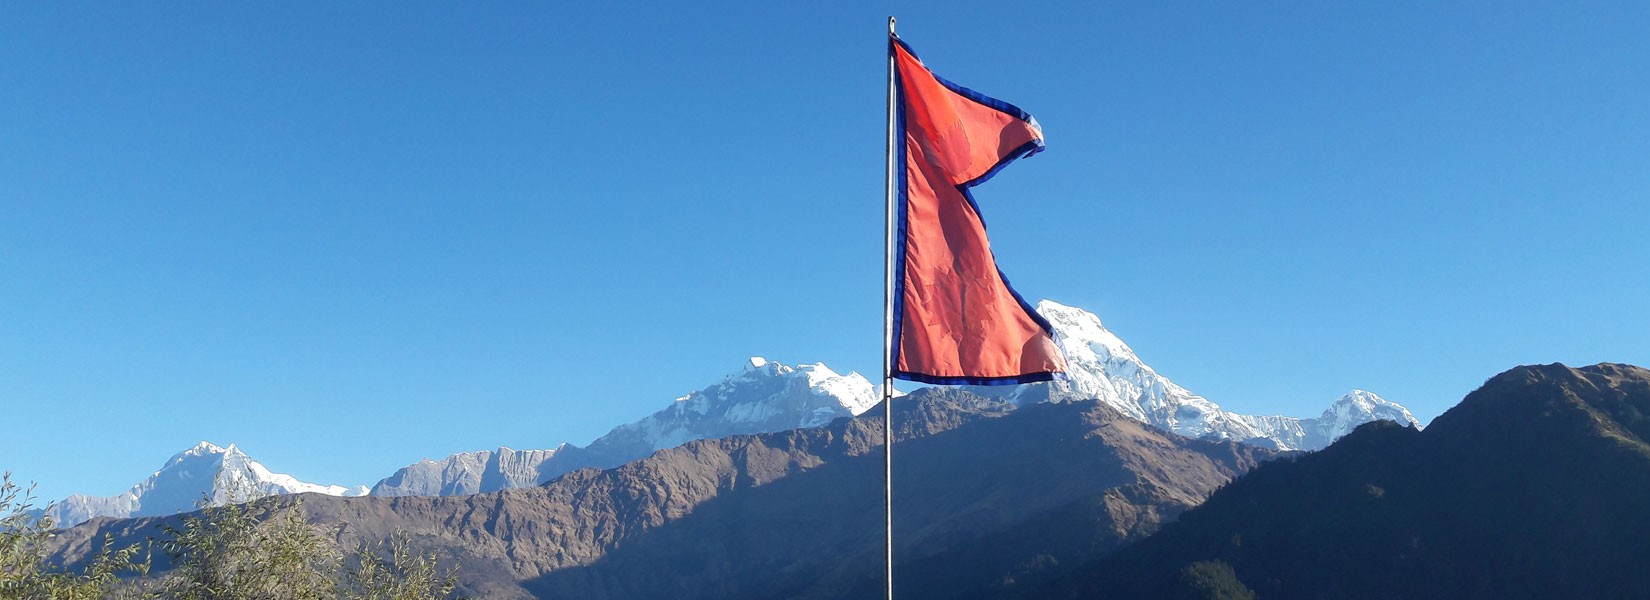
(348, 237)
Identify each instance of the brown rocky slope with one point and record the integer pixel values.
(798, 513)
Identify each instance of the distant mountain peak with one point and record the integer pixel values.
(1364, 399)
(1084, 327)
(205, 471)
(204, 448)
(1364, 402)
(1101, 366)
(466, 473)
(760, 396)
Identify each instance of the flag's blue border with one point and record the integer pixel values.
(1028, 149)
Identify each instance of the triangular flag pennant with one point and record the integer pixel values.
(956, 320)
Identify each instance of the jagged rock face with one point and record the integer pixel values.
(1345, 415)
(1103, 368)
(797, 513)
(466, 473)
(765, 396)
(1533, 487)
(762, 397)
(203, 473)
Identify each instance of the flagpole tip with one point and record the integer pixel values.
(890, 25)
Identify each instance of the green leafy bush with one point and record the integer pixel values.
(260, 550)
(24, 574)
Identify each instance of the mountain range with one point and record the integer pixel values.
(1534, 486)
(203, 474)
(766, 396)
(1102, 367)
(761, 397)
(795, 513)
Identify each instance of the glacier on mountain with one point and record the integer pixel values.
(1102, 367)
(204, 473)
(765, 396)
(761, 397)
(467, 473)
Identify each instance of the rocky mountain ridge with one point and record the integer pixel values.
(796, 513)
(761, 397)
(1532, 487)
(204, 473)
(1103, 367)
(467, 473)
(766, 396)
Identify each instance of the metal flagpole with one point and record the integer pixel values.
(888, 334)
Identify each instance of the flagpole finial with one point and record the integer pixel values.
(890, 25)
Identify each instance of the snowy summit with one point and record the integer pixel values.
(205, 472)
(761, 396)
(1102, 367)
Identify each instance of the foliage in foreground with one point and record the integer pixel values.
(405, 575)
(263, 550)
(23, 570)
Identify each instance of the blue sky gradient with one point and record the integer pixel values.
(348, 237)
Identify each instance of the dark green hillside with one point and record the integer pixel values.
(1536, 486)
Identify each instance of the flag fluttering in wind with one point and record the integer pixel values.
(955, 319)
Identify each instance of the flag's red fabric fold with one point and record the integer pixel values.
(956, 319)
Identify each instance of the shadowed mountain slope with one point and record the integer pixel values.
(1535, 486)
(798, 513)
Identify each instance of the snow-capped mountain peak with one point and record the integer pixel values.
(1101, 366)
(759, 397)
(201, 449)
(762, 396)
(467, 473)
(206, 472)
(853, 391)
(1358, 407)
(1085, 329)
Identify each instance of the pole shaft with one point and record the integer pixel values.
(888, 334)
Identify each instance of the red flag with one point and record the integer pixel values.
(956, 320)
